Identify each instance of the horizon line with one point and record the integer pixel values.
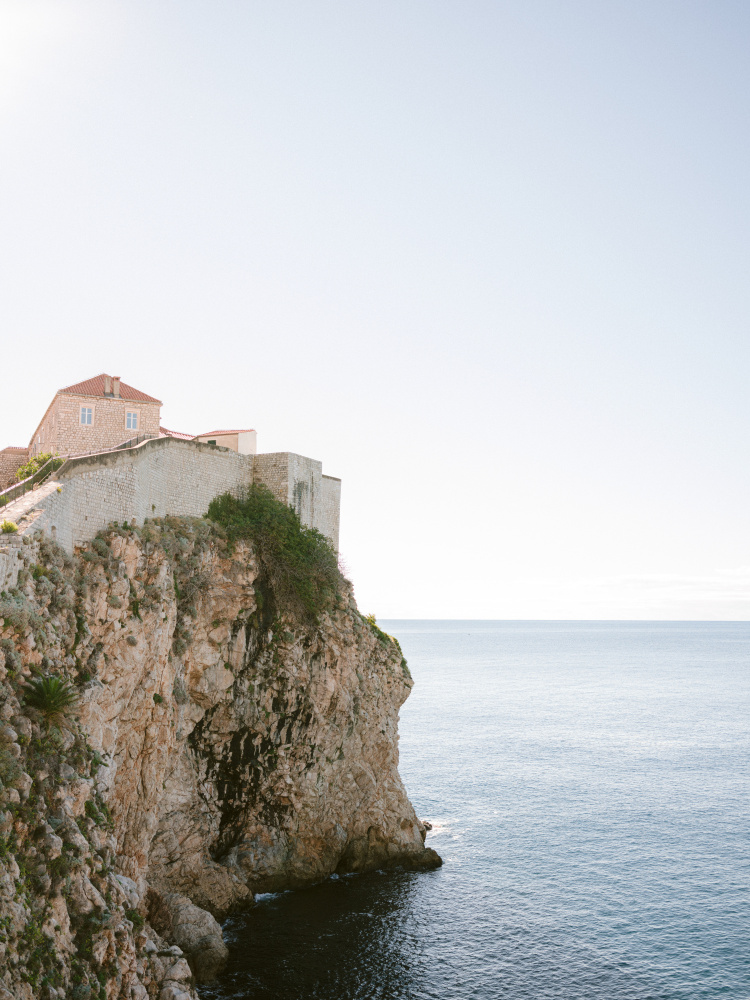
(665, 621)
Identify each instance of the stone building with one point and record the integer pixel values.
(121, 465)
(243, 442)
(95, 415)
(11, 460)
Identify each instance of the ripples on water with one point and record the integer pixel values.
(588, 783)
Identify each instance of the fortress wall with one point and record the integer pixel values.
(85, 504)
(183, 477)
(299, 481)
(167, 476)
(304, 486)
(329, 508)
(273, 471)
(159, 477)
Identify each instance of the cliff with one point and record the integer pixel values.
(218, 744)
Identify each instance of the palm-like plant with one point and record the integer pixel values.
(53, 697)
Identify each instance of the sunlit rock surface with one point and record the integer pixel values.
(218, 749)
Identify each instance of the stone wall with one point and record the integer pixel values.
(62, 432)
(11, 459)
(299, 482)
(11, 550)
(168, 476)
(329, 508)
(158, 477)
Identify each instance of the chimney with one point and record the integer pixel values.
(107, 385)
(116, 386)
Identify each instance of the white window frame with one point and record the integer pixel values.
(128, 415)
(88, 411)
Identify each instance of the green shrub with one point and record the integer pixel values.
(16, 614)
(158, 699)
(135, 918)
(54, 697)
(100, 546)
(386, 639)
(10, 769)
(34, 465)
(8, 527)
(299, 563)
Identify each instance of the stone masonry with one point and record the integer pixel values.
(168, 476)
(90, 416)
(11, 460)
(299, 482)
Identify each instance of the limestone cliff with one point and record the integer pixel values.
(217, 748)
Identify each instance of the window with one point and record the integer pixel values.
(210, 442)
(86, 415)
(131, 421)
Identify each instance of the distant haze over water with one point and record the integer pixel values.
(588, 786)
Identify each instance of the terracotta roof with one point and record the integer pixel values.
(13, 447)
(244, 430)
(175, 434)
(95, 387)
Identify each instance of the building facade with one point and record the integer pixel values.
(243, 442)
(94, 415)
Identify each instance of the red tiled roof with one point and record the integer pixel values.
(175, 434)
(95, 387)
(13, 447)
(245, 430)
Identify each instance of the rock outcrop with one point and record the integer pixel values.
(218, 749)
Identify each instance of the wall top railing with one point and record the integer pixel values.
(14, 492)
(132, 442)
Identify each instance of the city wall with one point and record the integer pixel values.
(166, 476)
(299, 482)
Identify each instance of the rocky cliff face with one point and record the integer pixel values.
(217, 749)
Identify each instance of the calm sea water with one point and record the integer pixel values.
(588, 785)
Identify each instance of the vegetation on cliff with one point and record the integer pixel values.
(298, 563)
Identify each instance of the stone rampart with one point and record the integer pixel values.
(165, 476)
(158, 477)
(299, 482)
(329, 508)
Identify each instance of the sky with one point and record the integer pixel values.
(488, 261)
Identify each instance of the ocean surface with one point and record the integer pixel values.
(589, 789)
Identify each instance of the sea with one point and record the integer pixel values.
(588, 786)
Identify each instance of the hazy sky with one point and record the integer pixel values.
(487, 260)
